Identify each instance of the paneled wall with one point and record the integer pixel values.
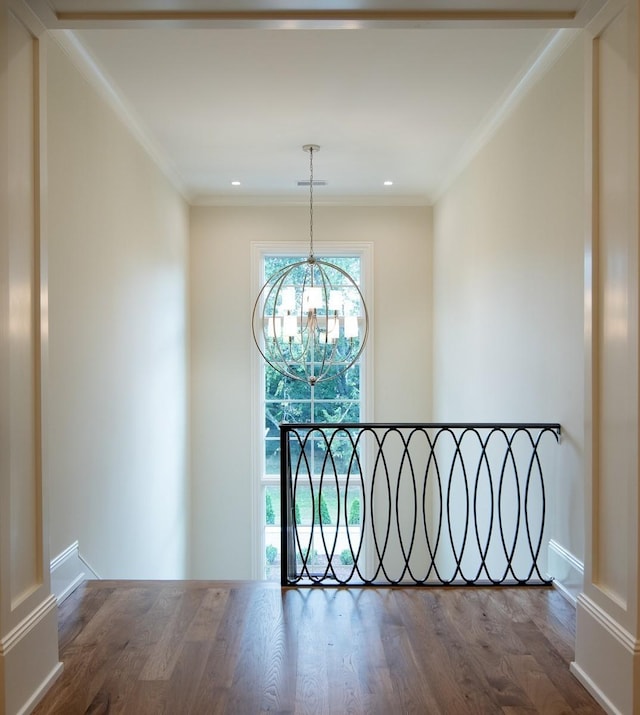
(28, 626)
(608, 619)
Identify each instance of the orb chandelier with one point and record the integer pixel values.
(310, 321)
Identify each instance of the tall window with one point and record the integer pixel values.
(285, 400)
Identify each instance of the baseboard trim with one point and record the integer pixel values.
(41, 690)
(595, 691)
(29, 658)
(92, 572)
(563, 591)
(566, 570)
(607, 657)
(63, 556)
(25, 626)
(68, 570)
(620, 634)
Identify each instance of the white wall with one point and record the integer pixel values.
(508, 283)
(118, 231)
(223, 354)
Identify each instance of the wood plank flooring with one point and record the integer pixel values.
(236, 648)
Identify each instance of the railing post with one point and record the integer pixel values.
(285, 506)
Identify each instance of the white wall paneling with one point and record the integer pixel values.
(607, 644)
(28, 624)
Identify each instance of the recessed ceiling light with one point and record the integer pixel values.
(388, 183)
(235, 183)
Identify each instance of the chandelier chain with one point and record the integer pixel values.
(311, 202)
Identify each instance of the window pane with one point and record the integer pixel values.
(272, 532)
(354, 505)
(272, 457)
(343, 459)
(346, 385)
(273, 418)
(272, 506)
(350, 264)
(279, 387)
(336, 411)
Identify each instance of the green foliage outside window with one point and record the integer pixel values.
(270, 514)
(346, 557)
(323, 517)
(311, 557)
(354, 512)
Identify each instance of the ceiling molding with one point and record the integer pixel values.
(44, 11)
(316, 19)
(598, 21)
(81, 59)
(28, 17)
(548, 56)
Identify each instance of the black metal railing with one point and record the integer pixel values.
(414, 504)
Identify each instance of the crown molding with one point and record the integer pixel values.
(604, 16)
(99, 80)
(541, 63)
(27, 16)
(310, 18)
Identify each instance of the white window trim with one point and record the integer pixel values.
(260, 249)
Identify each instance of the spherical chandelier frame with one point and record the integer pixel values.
(309, 341)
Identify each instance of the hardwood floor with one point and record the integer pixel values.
(239, 647)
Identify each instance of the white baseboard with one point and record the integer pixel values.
(598, 695)
(607, 658)
(566, 570)
(41, 690)
(29, 658)
(68, 571)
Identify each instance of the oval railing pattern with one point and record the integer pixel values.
(437, 504)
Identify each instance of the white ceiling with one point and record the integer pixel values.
(217, 104)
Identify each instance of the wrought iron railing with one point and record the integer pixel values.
(414, 504)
